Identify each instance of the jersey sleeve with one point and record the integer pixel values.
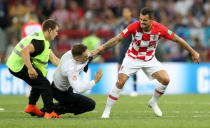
(38, 46)
(130, 29)
(77, 85)
(166, 33)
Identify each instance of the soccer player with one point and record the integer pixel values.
(141, 55)
(66, 79)
(123, 47)
(29, 60)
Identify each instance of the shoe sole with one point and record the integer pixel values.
(104, 117)
(153, 110)
(32, 114)
(53, 117)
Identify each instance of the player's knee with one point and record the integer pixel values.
(122, 78)
(165, 81)
(120, 84)
(46, 85)
(91, 105)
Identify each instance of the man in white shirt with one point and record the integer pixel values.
(66, 79)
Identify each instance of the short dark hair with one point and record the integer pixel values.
(49, 23)
(147, 11)
(78, 49)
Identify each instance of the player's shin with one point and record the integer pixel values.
(159, 91)
(111, 100)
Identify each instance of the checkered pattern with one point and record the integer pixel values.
(144, 43)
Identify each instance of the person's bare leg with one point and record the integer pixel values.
(114, 94)
(163, 78)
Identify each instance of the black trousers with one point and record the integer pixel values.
(40, 86)
(70, 102)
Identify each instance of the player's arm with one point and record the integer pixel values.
(118, 39)
(183, 43)
(54, 59)
(25, 54)
(80, 87)
(110, 43)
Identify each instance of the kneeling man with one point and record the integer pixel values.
(66, 79)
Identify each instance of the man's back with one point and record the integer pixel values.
(67, 67)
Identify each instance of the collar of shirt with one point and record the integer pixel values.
(41, 35)
(78, 65)
(78, 62)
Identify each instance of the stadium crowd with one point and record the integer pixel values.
(190, 19)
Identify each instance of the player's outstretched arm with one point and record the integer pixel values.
(110, 43)
(81, 87)
(195, 55)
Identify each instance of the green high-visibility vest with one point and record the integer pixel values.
(15, 61)
(91, 42)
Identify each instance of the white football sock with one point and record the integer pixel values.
(159, 90)
(111, 100)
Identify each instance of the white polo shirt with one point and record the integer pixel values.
(67, 74)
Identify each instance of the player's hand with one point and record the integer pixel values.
(93, 53)
(96, 51)
(32, 73)
(98, 75)
(196, 57)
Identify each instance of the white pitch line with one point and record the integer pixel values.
(140, 117)
(13, 111)
(167, 112)
(131, 111)
(198, 116)
(2, 109)
(165, 102)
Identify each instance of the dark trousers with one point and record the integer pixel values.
(40, 86)
(70, 102)
(134, 85)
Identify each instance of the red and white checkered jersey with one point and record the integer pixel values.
(144, 43)
(31, 28)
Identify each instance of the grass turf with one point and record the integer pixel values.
(179, 111)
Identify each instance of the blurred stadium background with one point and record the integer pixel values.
(93, 22)
(79, 19)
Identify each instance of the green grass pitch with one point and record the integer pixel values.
(179, 111)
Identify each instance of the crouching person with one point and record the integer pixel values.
(66, 79)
